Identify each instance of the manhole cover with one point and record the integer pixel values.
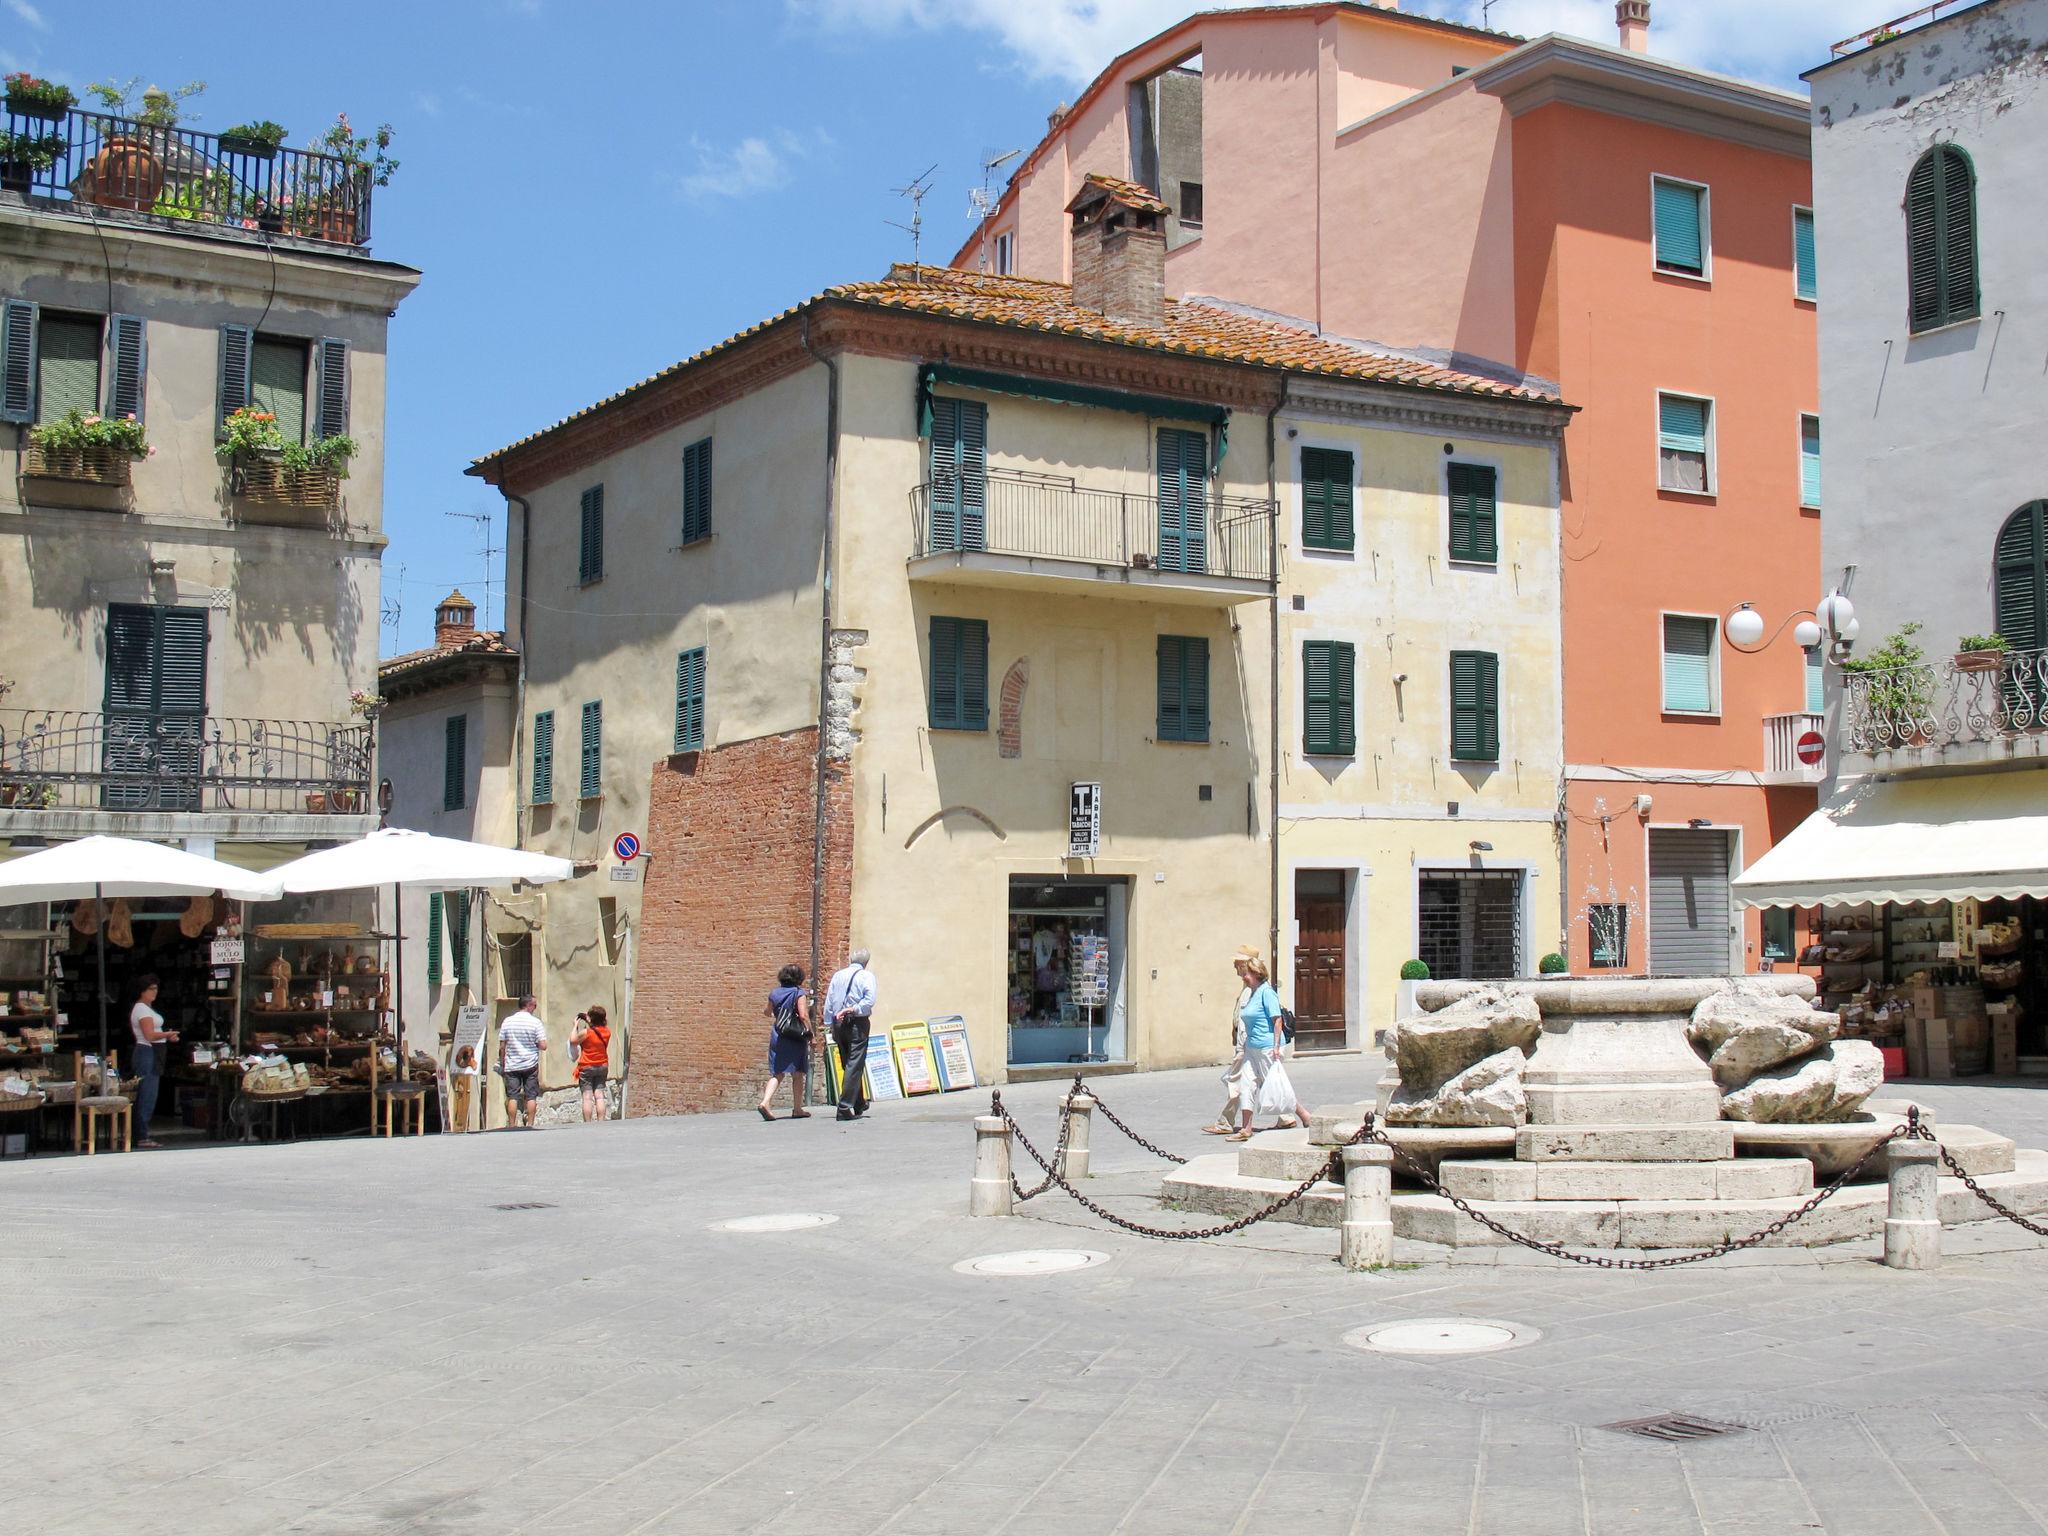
(786, 1221)
(1032, 1261)
(1439, 1336)
(1675, 1428)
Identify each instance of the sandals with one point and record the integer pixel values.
(1239, 1136)
(800, 1114)
(1219, 1130)
(762, 1111)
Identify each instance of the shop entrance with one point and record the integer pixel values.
(1690, 916)
(1468, 923)
(1320, 972)
(1064, 961)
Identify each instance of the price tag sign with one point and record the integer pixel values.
(1084, 821)
(1949, 949)
(227, 951)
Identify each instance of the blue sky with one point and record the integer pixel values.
(595, 189)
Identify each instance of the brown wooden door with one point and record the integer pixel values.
(1319, 971)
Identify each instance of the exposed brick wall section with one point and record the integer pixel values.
(1010, 720)
(727, 904)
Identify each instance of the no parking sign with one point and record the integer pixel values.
(627, 847)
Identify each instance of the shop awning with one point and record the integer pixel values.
(1913, 839)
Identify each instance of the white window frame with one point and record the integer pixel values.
(1487, 460)
(1797, 296)
(1003, 254)
(1706, 271)
(1804, 418)
(1713, 709)
(1302, 547)
(1713, 489)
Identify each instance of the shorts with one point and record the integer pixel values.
(591, 1077)
(523, 1087)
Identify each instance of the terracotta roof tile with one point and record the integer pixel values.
(1129, 193)
(485, 642)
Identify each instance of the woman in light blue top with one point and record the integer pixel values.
(1259, 1013)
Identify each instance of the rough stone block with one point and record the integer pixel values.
(1746, 1005)
(1704, 1143)
(1819, 1089)
(1488, 1092)
(1431, 1049)
(1757, 1047)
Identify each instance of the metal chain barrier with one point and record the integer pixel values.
(1059, 1150)
(1990, 1199)
(1110, 1115)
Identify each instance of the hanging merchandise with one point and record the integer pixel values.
(197, 916)
(85, 918)
(120, 926)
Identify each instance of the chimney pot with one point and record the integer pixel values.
(1632, 21)
(1119, 233)
(1055, 117)
(454, 620)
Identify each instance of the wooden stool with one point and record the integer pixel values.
(116, 1110)
(397, 1100)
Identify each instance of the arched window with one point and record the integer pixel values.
(2020, 577)
(1941, 238)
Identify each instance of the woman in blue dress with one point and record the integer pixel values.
(789, 1041)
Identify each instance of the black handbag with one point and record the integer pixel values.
(789, 1023)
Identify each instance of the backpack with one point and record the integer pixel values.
(1287, 1024)
(788, 1022)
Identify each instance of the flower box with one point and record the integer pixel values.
(251, 148)
(270, 482)
(1979, 661)
(91, 465)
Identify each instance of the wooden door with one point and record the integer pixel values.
(1319, 970)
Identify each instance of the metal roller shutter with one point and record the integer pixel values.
(1689, 904)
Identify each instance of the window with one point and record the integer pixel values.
(690, 700)
(1183, 688)
(959, 677)
(277, 383)
(267, 373)
(590, 537)
(1809, 461)
(155, 706)
(1816, 682)
(52, 364)
(1777, 933)
(1689, 672)
(2021, 578)
(1329, 710)
(1475, 706)
(435, 918)
(457, 905)
(1183, 500)
(1805, 276)
(1326, 499)
(1941, 239)
(1474, 532)
(1685, 436)
(590, 783)
(515, 965)
(67, 366)
(1607, 936)
(1680, 209)
(1006, 253)
(1468, 922)
(544, 758)
(454, 762)
(1191, 204)
(958, 500)
(697, 492)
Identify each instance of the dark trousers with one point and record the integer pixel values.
(851, 1036)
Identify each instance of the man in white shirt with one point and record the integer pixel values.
(521, 1040)
(850, 1011)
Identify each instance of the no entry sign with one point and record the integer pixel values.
(626, 846)
(1811, 747)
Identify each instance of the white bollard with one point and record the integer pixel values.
(989, 1193)
(1368, 1232)
(1912, 1217)
(1073, 1163)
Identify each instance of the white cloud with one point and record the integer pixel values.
(427, 102)
(1766, 40)
(755, 164)
(29, 14)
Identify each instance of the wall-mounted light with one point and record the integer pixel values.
(1479, 847)
(1832, 622)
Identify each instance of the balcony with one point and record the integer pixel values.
(171, 177)
(1785, 737)
(66, 773)
(1044, 533)
(1981, 710)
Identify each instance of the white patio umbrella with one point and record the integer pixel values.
(100, 867)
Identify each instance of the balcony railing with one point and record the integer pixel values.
(61, 759)
(1986, 699)
(106, 162)
(1785, 738)
(1017, 512)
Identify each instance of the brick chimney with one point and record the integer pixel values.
(454, 621)
(1055, 117)
(1632, 21)
(1119, 232)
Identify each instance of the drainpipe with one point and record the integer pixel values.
(519, 705)
(826, 558)
(1273, 687)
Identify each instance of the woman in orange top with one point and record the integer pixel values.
(592, 1042)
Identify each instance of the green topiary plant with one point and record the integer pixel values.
(1414, 970)
(1552, 965)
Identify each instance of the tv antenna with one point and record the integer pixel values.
(918, 189)
(1486, 12)
(489, 552)
(389, 608)
(983, 199)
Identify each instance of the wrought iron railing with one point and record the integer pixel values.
(62, 759)
(1017, 512)
(1978, 698)
(98, 160)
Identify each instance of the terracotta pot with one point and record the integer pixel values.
(316, 801)
(329, 221)
(126, 173)
(1979, 661)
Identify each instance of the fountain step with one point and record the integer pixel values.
(1285, 1155)
(1214, 1185)
(1832, 1149)
(1750, 1178)
(1428, 1145)
(1710, 1142)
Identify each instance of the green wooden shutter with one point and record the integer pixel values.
(591, 781)
(944, 710)
(2021, 577)
(180, 704)
(1941, 239)
(590, 536)
(1923, 243)
(457, 904)
(1806, 272)
(1688, 664)
(1475, 706)
(959, 680)
(1329, 725)
(1183, 500)
(1326, 501)
(1183, 672)
(1680, 246)
(1681, 424)
(690, 700)
(697, 491)
(17, 361)
(1958, 235)
(1809, 461)
(454, 762)
(1474, 518)
(237, 344)
(544, 758)
(67, 366)
(434, 920)
(958, 499)
(128, 366)
(330, 378)
(973, 674)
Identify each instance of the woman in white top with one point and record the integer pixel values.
(150, 1039)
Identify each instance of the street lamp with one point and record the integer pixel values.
(1833, 621)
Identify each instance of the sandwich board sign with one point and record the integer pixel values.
(882, 1083)
(949, 1046)
(911, 1044)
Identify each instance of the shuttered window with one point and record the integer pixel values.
(237, 344)
(67, 366)
(1329, 709)
(1941, 239)
(2021, 577)
(1681, 220)
(1816, 680)
(330, 379)
(155, 704)
(435, 918)
(1805, 275)
(1809, 461)
(1475, 706)
(1684, 428)
(17, 361)
(457, 905)
(959, 676)
(454, 762)
(277, 383)
(697, 491)
(1689, 665)
(590, 783)
(544, 758)
(1326, 521)
(1474, 523)
(690, 700)
(590, 537)
(128, 367)
(958, 502)
(1183, 500)
(1183, 688)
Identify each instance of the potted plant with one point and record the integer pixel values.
(345, 801)
(43, 100)
(256, 141)
(335, 188)
(1894, 687)
(1981, 653)
(23, 154)
(1552, 964)
(128, 172)
(266, 468)
(1413, 973)
(93, 449)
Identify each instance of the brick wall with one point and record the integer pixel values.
(727, 904)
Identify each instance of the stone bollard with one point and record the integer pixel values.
(1368, 1233)
(1073, 1163)
(989, 1193)
(1912, 1218)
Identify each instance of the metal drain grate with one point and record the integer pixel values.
(1675, 1428)
(525, 1205)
